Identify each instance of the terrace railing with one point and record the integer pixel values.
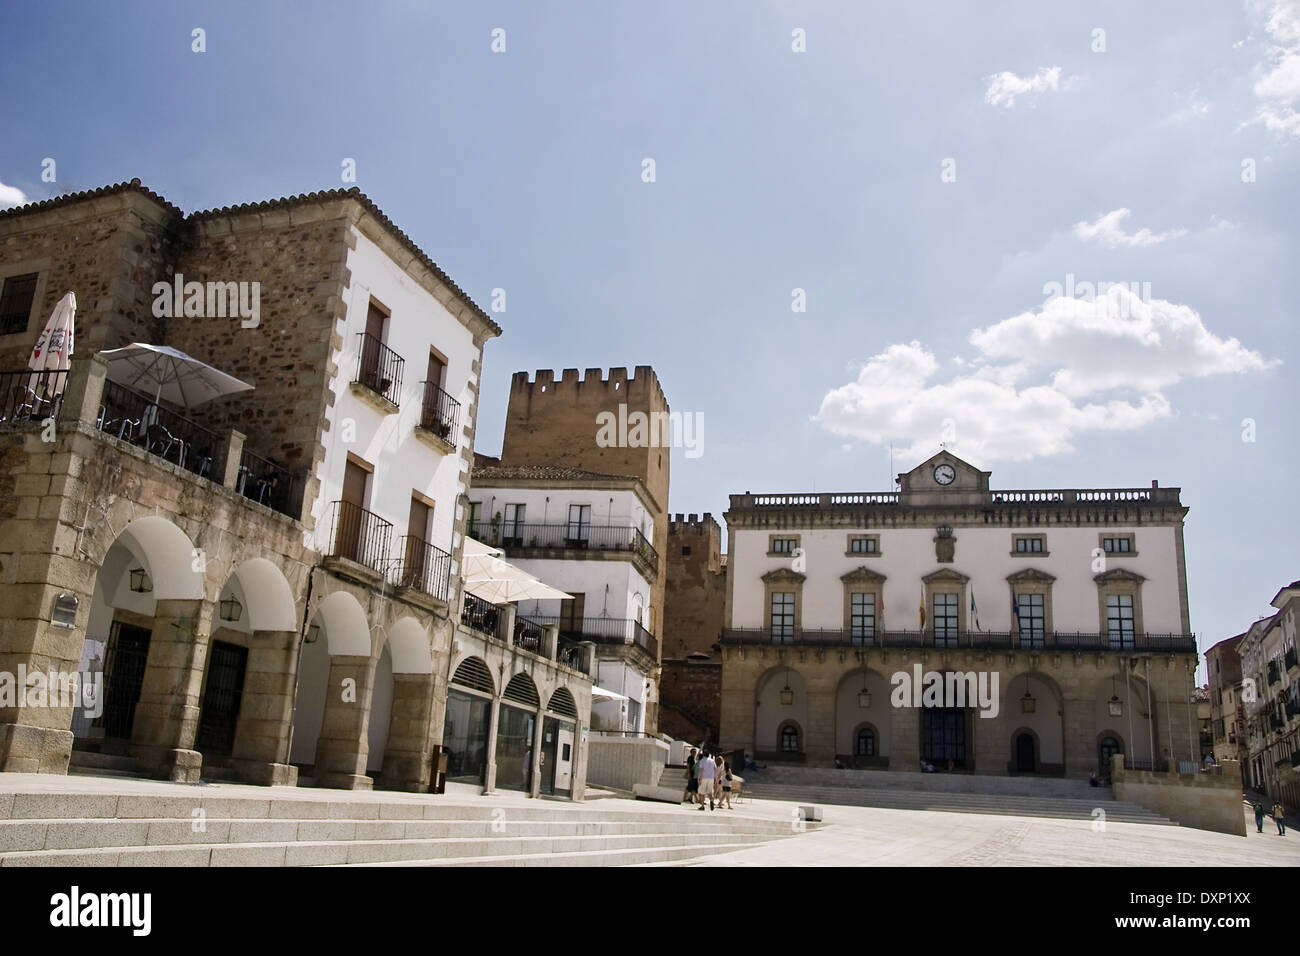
(137, 418)
(359, 535)
(568, 536)
(422, 567)
(439, 413)
(379, 368)
(480, 615)
(27, 396)
(602, 630)
(265, 482)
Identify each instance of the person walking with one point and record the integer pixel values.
(691, 783)
(708, 772)
(726, 782)
(1279, 817)
(1259, 816)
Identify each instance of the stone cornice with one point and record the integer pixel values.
(1029, 516)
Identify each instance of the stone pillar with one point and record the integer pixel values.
(578, 793)
(506, 623)
(83, 394)
(819, 736)
(260, 754)
(342, 748)
(408, 760)
(167, 715)
(490, 771)
(550, 641)
(905, 738)
(737, 698)
(535, 776)
(225, 460)
(1080, 729)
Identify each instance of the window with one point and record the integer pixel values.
(782, 614)
(784, 545)
(579, 524)
(1029, 544)
(1032, 619)
(513, 532)
(1118, 544)
(686, 551)
(945, 618)
(864, 544)
(571, 613)
(862, 617)
(789, 739)
(866, 742)
(1119, 620)
(16, 303)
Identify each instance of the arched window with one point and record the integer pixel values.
(866, 742)
(790, 739)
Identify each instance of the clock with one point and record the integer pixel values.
(945, 474)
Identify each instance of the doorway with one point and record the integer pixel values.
(221, 698)
(125, 658)
(348, 541)
(1025, 753)
(943, 737)
(1107, 748)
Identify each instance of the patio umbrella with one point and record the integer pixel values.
(169, 374)
(488, 577)
(53, 350)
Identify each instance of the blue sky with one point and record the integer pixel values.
(778, 170)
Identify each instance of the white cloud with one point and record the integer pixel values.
(1004, 87)
(1279, 88)
(1108, 229)
(1039, 380)
(11, 196)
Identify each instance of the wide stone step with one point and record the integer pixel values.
(604, 857)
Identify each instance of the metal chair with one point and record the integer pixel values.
(158, 436)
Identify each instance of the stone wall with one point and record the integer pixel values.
(1207, 801)
(695, 595)
(624, 762)
(690, 694)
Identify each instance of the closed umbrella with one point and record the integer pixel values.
(170, 374)
(53, 351)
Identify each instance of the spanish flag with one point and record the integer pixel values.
(923, 609)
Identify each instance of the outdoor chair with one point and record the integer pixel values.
(159, 437)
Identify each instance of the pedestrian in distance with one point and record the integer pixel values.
(1279, 817)
(708, 771)
(1259, 816)
(726, 782)
(688, 796)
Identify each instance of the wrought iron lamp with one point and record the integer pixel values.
(231, 609)
(1027, 703)
(1114, 706)
(864, 695)
(787, 695)
(140, 582)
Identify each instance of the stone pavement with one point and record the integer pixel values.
(866, 836)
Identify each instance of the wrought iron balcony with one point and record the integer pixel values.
(570, 654)
(479, 615)
(267, 483)
(379, 368)
(603, 630)
(516, 537)
(422, 567)
(976, 640)
(359, 535)
(440, 413)
(30, 397)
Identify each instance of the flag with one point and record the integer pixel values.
(974, 611)
(1015, 613)
(923, 609)
(880, 610)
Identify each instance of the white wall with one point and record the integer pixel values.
(983, 554)
(402, 462)
(609, 508)
(627, 589)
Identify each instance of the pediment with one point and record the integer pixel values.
(1118, 576)
(945, 576)
(784, 576)
(1031, 576)
(863, 576)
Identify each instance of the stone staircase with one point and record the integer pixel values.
(957, 793)
(130, 823)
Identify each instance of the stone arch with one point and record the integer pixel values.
(343, 625)
(770, 711)
(562, 703)
(265, 599)
(334, 649)
(411, 648)
(850, 714)
(1035, 757)
(1138, 724)
(167, 554)
(1046, 721)
(473, 672)
(521, 690)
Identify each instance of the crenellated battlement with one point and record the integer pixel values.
(681, 524)
(594, 384)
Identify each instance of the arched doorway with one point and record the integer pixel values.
(781, 701)
(1025, 762)
(335, 649)
(468, 720)
(1108, 745)
(516, 730)
(559, 743)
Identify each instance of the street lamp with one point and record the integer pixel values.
(864, 695)
(787, 695)
(1114, 706)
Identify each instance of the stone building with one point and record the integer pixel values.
(1271, 690)
(615, 427)
(694, 602)
(1227, 709)
(1029, 631)
(267, 583)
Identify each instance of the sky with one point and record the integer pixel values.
(841, 234)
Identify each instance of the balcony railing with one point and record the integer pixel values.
(379, 368)
(480, 615)
(359, 535)
(570, 654)
(439, 413)
(528, 634)
(137, 418)
(571, 536)
(603, 630)
(977, 640)
(27, 396)
(422, 567)
(891, 499)
(266, 483)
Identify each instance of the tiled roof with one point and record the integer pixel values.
(283, 203)
(544, 472)
(67, 200)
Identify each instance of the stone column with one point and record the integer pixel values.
(225, 460)
(905, 738)
(819, 735)
(260, 754)
(408, 760)
(167, 715)
(490, 772)
(83, 394)
(535, 776)
(342, 748)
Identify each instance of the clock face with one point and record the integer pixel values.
(945, 474)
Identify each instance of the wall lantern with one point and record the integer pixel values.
(65, 610)
(787, 695)
(1114, 707)
(1027, 703)
(313, 634)
(864, 695)
(140, 582)
(231, 609)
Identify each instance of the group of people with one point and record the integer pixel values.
(1278, 813)
(708, 777)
